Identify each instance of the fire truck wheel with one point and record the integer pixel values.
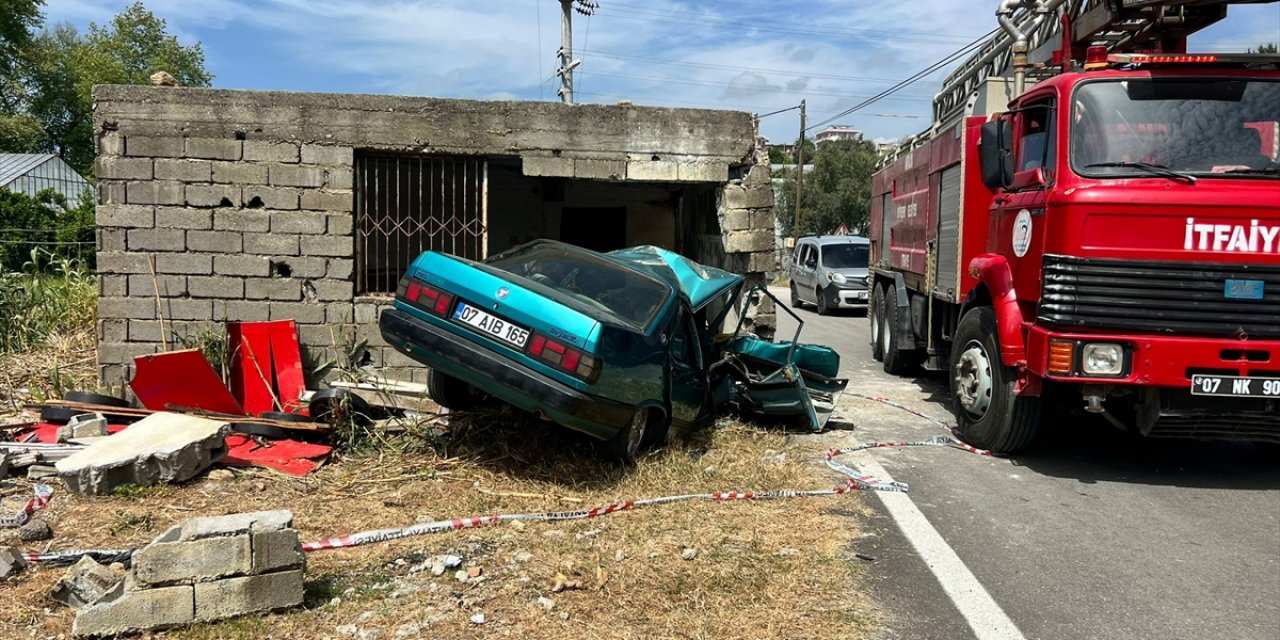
(877, 319)
(989, 414)
(821, 299)
(795, 297)
(897, 361)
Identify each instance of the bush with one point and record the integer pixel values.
(46, 221)
(50, 295)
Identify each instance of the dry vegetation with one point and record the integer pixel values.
(776, 569)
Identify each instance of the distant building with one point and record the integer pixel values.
(836, 133)
(31, 173)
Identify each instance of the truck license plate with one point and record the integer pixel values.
(1243, 289)
(508, 332)
(1235, 386)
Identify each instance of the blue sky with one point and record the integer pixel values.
(749, 55)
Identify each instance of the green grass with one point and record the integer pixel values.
(47, 297)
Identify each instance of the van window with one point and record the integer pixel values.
(846, 256)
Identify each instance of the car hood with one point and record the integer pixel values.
(699, 283)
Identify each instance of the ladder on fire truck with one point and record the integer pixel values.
(1033, 29)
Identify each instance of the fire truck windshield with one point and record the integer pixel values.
(1207, 127)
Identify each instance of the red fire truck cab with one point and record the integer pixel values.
(1110, 238)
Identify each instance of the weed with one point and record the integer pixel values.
(128, 521)
(50, 296)
(213, 344)
(135, 492)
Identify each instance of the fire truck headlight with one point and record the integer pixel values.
(1102, 359)
(839, 278)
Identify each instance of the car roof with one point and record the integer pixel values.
(828, 240)
(698, 282)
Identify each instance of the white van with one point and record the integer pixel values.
(830, 272)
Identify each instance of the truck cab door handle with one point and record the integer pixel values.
(1000, 201)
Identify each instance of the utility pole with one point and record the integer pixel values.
(795, 225)
(567, 63)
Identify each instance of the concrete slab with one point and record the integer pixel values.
(163, 447)
(86, 582)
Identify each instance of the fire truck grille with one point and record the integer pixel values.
(1178, 298)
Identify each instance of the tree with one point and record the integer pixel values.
(62, 66)
(18, 20)
(837, 191)
(809, 150)
(777, 156)
(1266, 48)
(45, 220)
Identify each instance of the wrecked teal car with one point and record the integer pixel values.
(622, 346)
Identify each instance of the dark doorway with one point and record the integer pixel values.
(595, 228)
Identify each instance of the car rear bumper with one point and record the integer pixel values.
(502, 378)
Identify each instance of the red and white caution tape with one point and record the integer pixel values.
(62, 558)
(44, 493)
(857, 481)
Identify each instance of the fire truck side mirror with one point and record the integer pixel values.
(995, 154)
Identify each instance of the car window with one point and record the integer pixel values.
(684, 344)
(575, 275)
(846, 256)
(810, 256)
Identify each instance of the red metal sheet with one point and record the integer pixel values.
(286, 359)
(249, 344)
(181, 379)
(290, 456)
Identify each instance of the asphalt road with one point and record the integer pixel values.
(1093, 535)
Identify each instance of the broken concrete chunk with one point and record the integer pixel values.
(35, 531)
(234, 524)
(85, 583)
(85, 425)
(123, 611)
(11, 562)
(163, 447)
(41, 471)
(238, 596)
(168, 562)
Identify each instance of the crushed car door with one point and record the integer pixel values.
(687, 376)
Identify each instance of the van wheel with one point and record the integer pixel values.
(795, 297)
(874, 315)
(989, 414)
(450, 392)
(897, 361)
(625, 445)
(823, 309)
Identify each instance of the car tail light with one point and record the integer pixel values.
(425, 296)
(564, 357)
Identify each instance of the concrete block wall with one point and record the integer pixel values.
(196, 231)
(204, 569)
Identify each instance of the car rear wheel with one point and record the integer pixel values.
(989, 414)
(450, 392)
(876, 318)
(795, 297)
(625, 445)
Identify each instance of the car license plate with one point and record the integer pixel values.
(1235, 386)
(508, 332)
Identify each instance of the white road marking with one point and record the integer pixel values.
(985, 617)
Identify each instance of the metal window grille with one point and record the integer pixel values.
(409, 204)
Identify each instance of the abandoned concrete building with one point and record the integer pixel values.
(218, 205)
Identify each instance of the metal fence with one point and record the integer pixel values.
(409, 204)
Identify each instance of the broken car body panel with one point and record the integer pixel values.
(583, 338)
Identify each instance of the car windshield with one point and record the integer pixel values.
(1203, 126)
(585, 280)
(846, 256)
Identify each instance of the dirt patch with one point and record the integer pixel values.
(692, 569)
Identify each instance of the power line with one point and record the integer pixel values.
(918, 75)
(729, 85)
(709, 65)
(542, 94)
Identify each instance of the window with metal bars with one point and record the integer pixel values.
(409, 204)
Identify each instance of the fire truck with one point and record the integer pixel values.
(1092, 223)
